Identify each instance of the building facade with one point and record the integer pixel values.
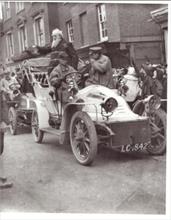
(123, 30)
(24, 24)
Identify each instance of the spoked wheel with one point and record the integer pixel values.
(12, 116)
(83, 138)
(37, 133)
(158, 142)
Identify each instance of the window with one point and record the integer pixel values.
(70, 31)
(6, 10)
(22, 35)
(10, 44)
(101, 9)
(19, 6)
(84, 28)
(39, 34)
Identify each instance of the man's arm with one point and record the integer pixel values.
(44, 50)
(101, 65)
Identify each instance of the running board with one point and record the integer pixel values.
(53, 131)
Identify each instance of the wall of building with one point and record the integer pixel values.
(53, 17)
(113, 26)
(73, 11)
(139, 33)
(134, 21)
(28, 13)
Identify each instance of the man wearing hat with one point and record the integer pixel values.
(57, 77)
(101, 69)
(59, 44)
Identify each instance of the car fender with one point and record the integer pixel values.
(42, 112)
(68, 112)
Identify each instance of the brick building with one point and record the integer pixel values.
(123, 30)
(24, 24)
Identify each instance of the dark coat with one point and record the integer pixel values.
(57, 80)
(62, 46)
(101, 72)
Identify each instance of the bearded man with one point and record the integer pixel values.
(59, 44)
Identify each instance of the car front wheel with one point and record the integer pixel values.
(83, 138)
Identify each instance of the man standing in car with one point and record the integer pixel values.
(101, 69)
(59, 44)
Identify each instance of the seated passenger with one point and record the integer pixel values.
(57, 77)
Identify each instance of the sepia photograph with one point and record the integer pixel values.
(84, 90)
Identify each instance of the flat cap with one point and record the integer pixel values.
(95, 49)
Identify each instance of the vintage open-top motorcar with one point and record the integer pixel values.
(92, 116)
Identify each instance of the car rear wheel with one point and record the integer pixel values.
(83, 138)
(158, 142)
(12, 116)
(37, 133)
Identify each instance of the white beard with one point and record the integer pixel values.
(55, 43)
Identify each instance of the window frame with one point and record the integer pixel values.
(7, 10)
(18, 6)
(70, 30)
(23, 43)
(102, 21)
(37, 39)
(10, 45)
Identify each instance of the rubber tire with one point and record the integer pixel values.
(13, 129)
(162, 115)
(37, 138)
(92, 136)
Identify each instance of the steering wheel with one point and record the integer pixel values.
(72, 77)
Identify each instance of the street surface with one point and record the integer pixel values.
(47, 178)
